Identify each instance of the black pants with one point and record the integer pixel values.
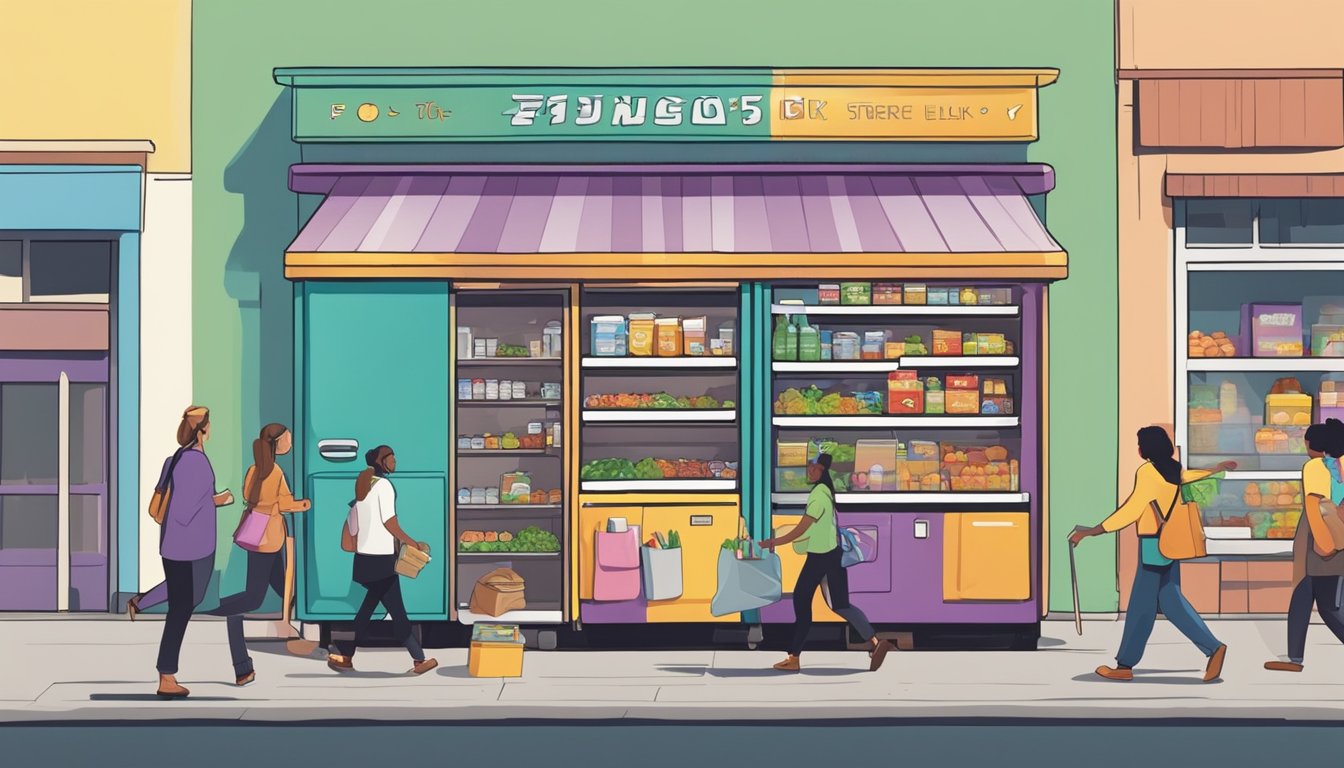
(1325, 592)
(816, 569)
(265, 571)
(387, 591)
(185, 582)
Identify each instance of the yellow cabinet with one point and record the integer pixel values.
(593, 518)
(791, 565)
(702, 529)
(986, 556)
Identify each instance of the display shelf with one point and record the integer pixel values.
(465, 616)
(838, 366)
(510, 452)
(1218, 547)
(965, 361)
(899, 310)
(507, 555)
(659, 362)
(508, 403)
(1227, 532)
(912, 497)
(489, 362)
(659, 415)
(1264, 364)
(669, 485)
(1251, 475)
(509, 507)
(896, 422)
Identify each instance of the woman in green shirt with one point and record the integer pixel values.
(817, 536)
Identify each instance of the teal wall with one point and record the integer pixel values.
(244, 216)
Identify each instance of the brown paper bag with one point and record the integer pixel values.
(498, 592)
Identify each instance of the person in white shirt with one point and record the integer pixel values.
(373, 526)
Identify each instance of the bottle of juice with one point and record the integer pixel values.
(784, 344)
(809, 341)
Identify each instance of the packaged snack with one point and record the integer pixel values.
(894, 350)
(828, 293)
(669, 336)
(886, 293)
(935, 401)
(1275, 329)
(939, 296)
(875, 466)
(491, 442)
(916, 293)
(791, 454)
(1327, 341)
(969, 297)
(963, 401)
(693, 336)
(905, 393)
(965, 382)
(991, 344)
(641, 335)
(464, 389)
(555, 496)
(846, 346)
(478, 496)
(477, 389)
(947, 343)
(856, 293)
(609, 336)
(969, 346)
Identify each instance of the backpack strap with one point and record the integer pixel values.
(168, 476)
(1161, 518)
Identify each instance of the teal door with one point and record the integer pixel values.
(373, 359)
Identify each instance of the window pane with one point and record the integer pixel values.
(88, 434)
(1310, 221)
(1218, 222)
(69, 271)
(11, 271)
(88, 531)
(27, 522)
(28, 424)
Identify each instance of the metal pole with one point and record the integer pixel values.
(63, 494)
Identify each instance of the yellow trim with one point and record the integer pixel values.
(573, 398)
(918, 78)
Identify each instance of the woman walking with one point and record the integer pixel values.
(1157, 580)
(817, 536)
(373, 526)
(186, 539)
(1318, 577)
(265, 490)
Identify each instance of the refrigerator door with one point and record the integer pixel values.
(987, 556)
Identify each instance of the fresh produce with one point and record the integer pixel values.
(657, 401)
(511, 350)
(1214, 345)
(648, 469)
(914, 346)
(608, 469)
(1274, 495)
(530, 539)
(654, 469)
(813, 401)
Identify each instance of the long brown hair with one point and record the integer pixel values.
(377, 468)
(263, 459)
(194, 421)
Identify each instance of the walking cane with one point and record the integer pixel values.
(1073, 578)
(295, 644)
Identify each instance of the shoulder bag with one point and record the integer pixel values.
(1180, 533)
(163, 492)
(850, 553)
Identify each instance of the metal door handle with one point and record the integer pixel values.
(338, 449)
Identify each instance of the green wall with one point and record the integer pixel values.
(244, 216)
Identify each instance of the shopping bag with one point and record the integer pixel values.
(616, 572)
(251, 530)
(662, 573)
(745, 585)
(498, 592)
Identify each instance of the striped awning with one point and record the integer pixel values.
(674, 222)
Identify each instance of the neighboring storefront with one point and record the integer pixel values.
(1232, 203)
(573, 359)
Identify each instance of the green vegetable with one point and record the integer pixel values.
(729, 404)
(648, 469)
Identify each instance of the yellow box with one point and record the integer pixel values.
(1288, 410)
(495, 660)
(791, 454)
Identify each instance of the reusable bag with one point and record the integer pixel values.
(251, 529)
(662, 573)
(745, 585)
(616, 575)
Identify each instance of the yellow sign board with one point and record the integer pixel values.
(904, 114)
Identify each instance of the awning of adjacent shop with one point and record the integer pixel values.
(720, 222)
(1255, 185)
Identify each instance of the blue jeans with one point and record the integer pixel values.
(1159, 587)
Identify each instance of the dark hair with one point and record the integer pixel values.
(1328, 438)
(377, 461)
(1156, 447)
(824, 461)
(263, 459)
(194, 421)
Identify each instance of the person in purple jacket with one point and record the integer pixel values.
(186, 542)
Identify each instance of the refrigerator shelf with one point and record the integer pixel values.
(908, 310)
(659, 485)
(659, 362)
(508, 507)
(1249, 546)
(660, 415)
(894, 422)
(508, 403)
(486, 362)
(911, 497)
(465, 616)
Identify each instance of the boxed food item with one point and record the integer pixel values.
(846, 346)
(968, 297)
(969, 381)
(668, 336)
(875, 466)
(1283, 410)
(935, 398)
(498, 592)
(963, 401)
(515, 488)
(905, 392)
(1327, 341)
(1275, 330)
(828, 293)
(609, 336)
(975, 468)
(916, 293)
(946, 343)
(991, 344)
(921, 469)
(994, 399)
(791, 454)
(641, 331)
(887, 293)
(939, 296)
(694, 336)
(856, 293)
(894, 350)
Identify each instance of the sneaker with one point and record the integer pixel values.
(246, 680)
(421, 667)
(1215, 666)
(338, 663)
(1283, 666)
(878, 655)
(1115, 673)
(790, 664)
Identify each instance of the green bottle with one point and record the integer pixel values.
(785, 341)
(809, 341)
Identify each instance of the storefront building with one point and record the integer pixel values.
(94, 272)
(1231, 171)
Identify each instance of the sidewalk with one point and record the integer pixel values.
(103, 670)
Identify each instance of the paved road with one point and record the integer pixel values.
(1038, 745)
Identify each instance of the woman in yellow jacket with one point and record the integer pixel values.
(266, 490)
(1157, 580)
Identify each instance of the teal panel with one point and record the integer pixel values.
(128, 512)
(70, 197)
(374, 367)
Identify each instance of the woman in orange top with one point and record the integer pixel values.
(1157, 580)
(266, 490)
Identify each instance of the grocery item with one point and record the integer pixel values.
(991, 344)
(519, 390)
(658, 401)
(975, 468)
(641, 339)
(886, 293)
(492, 389)
(916, 293)
(693, 336)
(728, 336)
(551, 340)
(550, 391)
(609, 336)
(492, 442)
(478, 389)
(935, 397)
(463, 495)
(1213, 345)
(506, 390)
(1327, 341)
(556, 496)
(875, 466)
(668, 335)
(963, 395)
(515, 488)
(938, 296)
(478, 496)
(1288, 410)
(856, 293)
(535, 348)
(905, 393)
(946, 343)
(828, 293)
(498, 592)
(827, 344)
(874, 345)
(921, 470)
(464, 389)
(809, 341)
(465, 343)
(914, 346)
(1275, 329)
(784, 344)
(477, 348)
(893, 350)
(477, 443)
(969, 297)
(846, 346)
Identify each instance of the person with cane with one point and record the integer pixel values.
(1157, 580)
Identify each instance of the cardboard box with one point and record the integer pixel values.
(963, 401)
(887, 293)
(905, 393)
(792, 454)
(828, 293)
(877, 459)
(946, 343)
(1327, 341)
(1275, 330)
(963, 382)
(495, 660)
(856, 293)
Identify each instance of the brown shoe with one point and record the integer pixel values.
(337, 663)
(1115, 673)
(421, 667)
(1214, 669)
(133, 607)
(169, 689)
(879, 655)
(1283, 666)
(790, 664)
(246, 680)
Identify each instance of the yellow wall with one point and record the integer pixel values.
(1229, 34)
(99, 69)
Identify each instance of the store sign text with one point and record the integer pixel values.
(631, 111)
